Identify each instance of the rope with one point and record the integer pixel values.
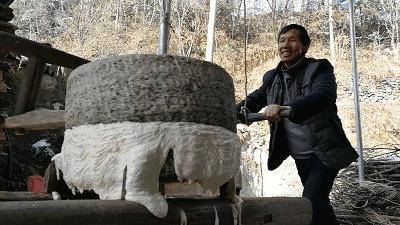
(244, 109)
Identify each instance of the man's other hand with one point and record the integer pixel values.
(271, 112)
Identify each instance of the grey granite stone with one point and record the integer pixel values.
(145, 88)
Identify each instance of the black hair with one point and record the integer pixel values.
(304, 38)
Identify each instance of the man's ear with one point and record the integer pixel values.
(305, 48)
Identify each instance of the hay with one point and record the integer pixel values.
(375, 200)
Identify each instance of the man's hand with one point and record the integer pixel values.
(271, 112)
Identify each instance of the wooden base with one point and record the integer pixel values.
(272, 211)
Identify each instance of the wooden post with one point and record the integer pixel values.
(30, 85)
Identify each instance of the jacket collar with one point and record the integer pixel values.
(293, 69)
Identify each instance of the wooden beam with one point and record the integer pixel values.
(28, 48)
(270, 211)
(23, 196)
(40, 119)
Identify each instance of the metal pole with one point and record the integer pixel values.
(211, 31)
(332, 37)
(356, 97)
(163, 42)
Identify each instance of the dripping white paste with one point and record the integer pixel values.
(124, 160)
(237, 210)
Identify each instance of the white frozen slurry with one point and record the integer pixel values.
(124, 160)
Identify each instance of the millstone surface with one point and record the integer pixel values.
(147, 88)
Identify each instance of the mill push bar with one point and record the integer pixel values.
(253, 117)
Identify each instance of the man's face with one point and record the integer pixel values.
(290, 47)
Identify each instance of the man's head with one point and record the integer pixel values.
(293, 43)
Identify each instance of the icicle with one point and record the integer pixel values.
(180, 179)
(73, 189)
(80, 190)
(214, 190)
(56, 195)
(216, 216)
(237, 210)
(183, 217)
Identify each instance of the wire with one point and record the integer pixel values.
(245, 53)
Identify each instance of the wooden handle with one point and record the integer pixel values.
(253, 117)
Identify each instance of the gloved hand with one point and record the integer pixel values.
(271, 112)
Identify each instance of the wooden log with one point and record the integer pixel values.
(276, 211)
(23, 196)
(293, 211)
(40, 119)
(22, 46)
(202, 211)
(82, 212)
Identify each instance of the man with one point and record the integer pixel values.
(314, 137)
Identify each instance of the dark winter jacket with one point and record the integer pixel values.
(313, 100)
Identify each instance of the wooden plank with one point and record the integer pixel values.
(23, 196)
(50, 181)
(22, 46)
(270, 211)
(40, 119)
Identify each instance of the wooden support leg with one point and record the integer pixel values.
(228, 190)
(30, 87)
(50, 179)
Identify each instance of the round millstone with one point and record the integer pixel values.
(147, 88)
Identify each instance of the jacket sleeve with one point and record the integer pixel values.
(323, 93)
(258, 98)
